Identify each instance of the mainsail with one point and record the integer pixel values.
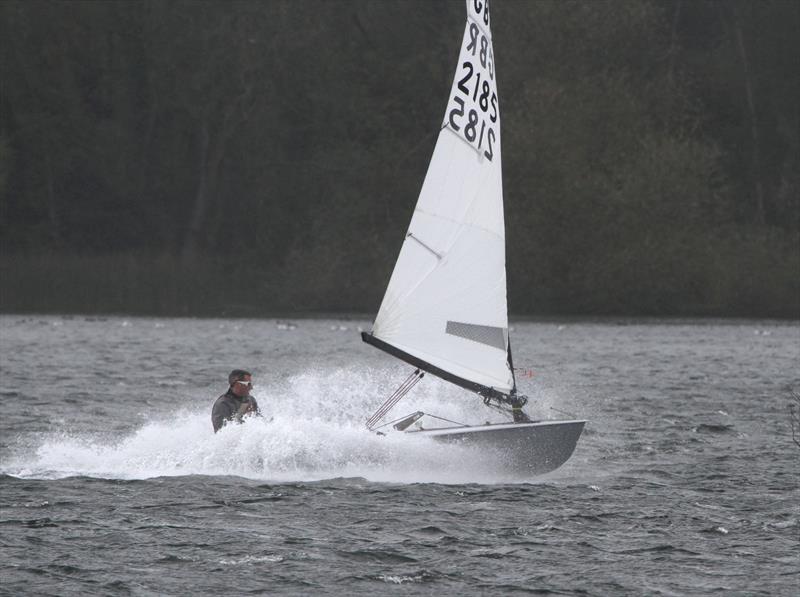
(445, 307)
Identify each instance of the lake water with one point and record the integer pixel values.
(685, 481)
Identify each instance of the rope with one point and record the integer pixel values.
(500, 409)
(449, 421)
(394, 398)
(420, 413)
(397, 420)
(561, 412)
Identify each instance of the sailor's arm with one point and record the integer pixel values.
(219, 414)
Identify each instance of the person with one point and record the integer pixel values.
(236, 403)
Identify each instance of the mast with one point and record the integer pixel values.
(511, 366)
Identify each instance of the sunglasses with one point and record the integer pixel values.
(249, 384)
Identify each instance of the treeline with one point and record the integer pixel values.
(245, 157)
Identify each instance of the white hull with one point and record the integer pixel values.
(522, 448)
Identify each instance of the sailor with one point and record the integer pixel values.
(236, 403)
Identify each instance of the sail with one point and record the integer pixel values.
(445, 304)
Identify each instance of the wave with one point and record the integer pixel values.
(303, 437)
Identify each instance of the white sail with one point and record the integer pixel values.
(446, 300)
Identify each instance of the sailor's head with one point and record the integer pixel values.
(240, 381)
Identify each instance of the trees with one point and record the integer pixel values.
(289, 140)
(607, 173)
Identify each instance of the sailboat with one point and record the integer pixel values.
(445, 310)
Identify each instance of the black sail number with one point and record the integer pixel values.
(456, 113)
(489, 153)
(479, 46)
(473, 112)
(481, 92)
(482, 9)
(462, 84)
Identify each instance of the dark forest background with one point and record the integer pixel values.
(248, 158)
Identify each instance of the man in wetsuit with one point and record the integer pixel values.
(237, 402)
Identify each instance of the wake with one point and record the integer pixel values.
(313, 429)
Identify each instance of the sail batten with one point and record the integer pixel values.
(445, 304)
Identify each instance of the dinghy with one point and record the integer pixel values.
(445, 309)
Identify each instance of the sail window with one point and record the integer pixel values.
(484, 334)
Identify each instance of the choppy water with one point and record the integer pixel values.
(112, 482)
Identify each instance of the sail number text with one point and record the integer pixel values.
(473, 109)
(479, 10)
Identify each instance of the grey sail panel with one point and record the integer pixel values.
(483, 334)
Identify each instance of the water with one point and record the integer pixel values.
(112, 482)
